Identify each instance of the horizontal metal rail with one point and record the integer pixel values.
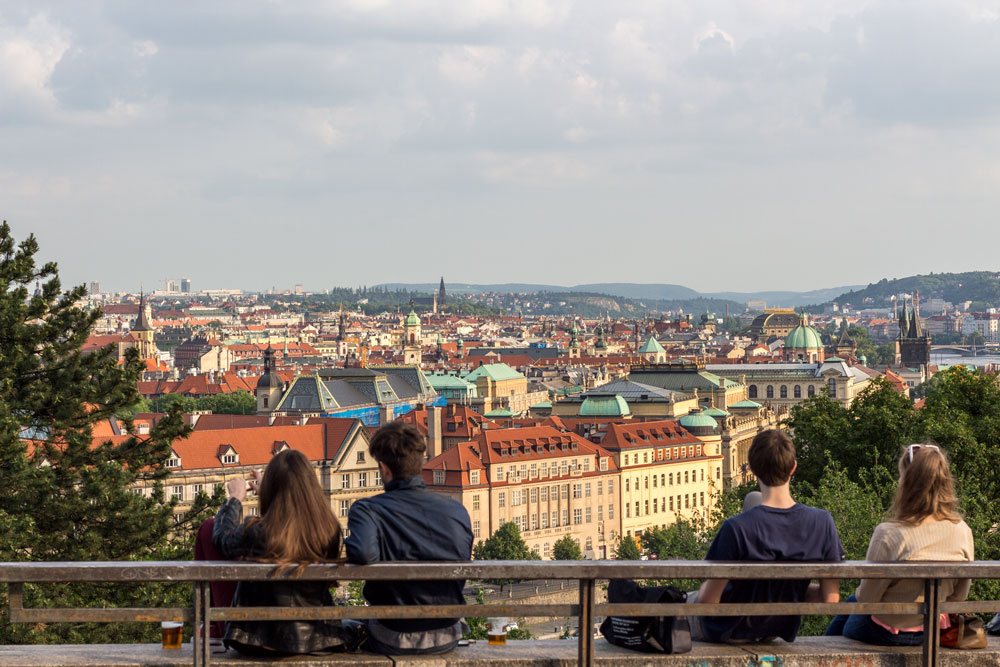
(585, 573)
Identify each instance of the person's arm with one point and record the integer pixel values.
(711, 591)
(828, 590)
(229, 533)
(872, 590)
(723, 547)
(961, 590)
(362, 545)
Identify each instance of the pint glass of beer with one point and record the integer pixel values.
(496, 630)
(172, 632)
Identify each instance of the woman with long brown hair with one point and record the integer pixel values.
(296, 527)
(923, 524)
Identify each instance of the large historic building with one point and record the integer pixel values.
(666, 473)
(550, 483)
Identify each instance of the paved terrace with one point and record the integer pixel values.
(585, 575)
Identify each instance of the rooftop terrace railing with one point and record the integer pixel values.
(586, 609)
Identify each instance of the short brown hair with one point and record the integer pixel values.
(401, 447)
(772, 457)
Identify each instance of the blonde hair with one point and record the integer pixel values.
(926, 487)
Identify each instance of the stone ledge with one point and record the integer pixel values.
(805, 652)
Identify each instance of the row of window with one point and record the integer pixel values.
(662, 504)
(663, 454)
(552, 469)
(554, 492)
(667, 479)
(346, 479)
(556, 518)
(831, 387)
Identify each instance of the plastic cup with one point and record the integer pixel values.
(172, 632)
(496, 631)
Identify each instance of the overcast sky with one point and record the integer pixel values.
(716, 144)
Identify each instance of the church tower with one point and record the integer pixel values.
(913, 346)
(269, 385)
(574, 343)
(143, 330)
(441, 295)
(411, 339)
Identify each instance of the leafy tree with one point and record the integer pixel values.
(566, 548)
(66, 497)
(505, 544)
(233, 403)
(868, 434)
(627, 549)
(169, 402)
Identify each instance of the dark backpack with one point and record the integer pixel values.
(649, 634)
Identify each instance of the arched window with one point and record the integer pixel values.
(770, 391)
(811, 390)
(784, 391)
(751, 392)
(797, 391)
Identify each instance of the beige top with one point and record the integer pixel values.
(931, 540)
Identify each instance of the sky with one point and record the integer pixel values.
(715, 144)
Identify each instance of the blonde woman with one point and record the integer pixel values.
(923, 524)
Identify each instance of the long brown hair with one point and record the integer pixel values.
(299, 525)
(926, 487)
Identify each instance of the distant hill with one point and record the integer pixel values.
(641, 291)
(982, 288)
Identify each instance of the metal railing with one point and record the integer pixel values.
(586, 609)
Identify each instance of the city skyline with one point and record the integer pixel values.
(757, 146)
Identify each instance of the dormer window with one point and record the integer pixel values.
(473, 477)
(174, 461)
(439, 476)
(278, 446)
(228, 455)
(604, 463)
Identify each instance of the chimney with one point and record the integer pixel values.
(434, 446)
(385, 413)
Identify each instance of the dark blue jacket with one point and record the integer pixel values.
(410, 523)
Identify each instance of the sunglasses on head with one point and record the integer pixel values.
(911, 448)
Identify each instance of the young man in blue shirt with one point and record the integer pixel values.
(777, 530)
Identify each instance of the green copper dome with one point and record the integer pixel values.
(697, 420)
(604, 406)
(804, 337)
(715, 412)
(412, 320)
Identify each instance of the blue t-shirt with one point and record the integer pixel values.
(799, 533)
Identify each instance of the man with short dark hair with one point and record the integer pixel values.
(408, 523)
(778, 529)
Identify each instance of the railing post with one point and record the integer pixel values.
(15, 601)
(932, 622)
(202, 624)
(586, 630)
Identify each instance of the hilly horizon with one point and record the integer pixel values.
(658, 291)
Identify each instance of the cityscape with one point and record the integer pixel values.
(410, 328)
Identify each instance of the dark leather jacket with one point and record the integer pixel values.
(410, 523)
(238, 539)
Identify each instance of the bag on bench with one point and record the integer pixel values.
(649, 634)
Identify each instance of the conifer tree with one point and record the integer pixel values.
(65, 496)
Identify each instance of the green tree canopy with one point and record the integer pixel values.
(65, 496)
(505, 544)
(627, 549)
(566, 548)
